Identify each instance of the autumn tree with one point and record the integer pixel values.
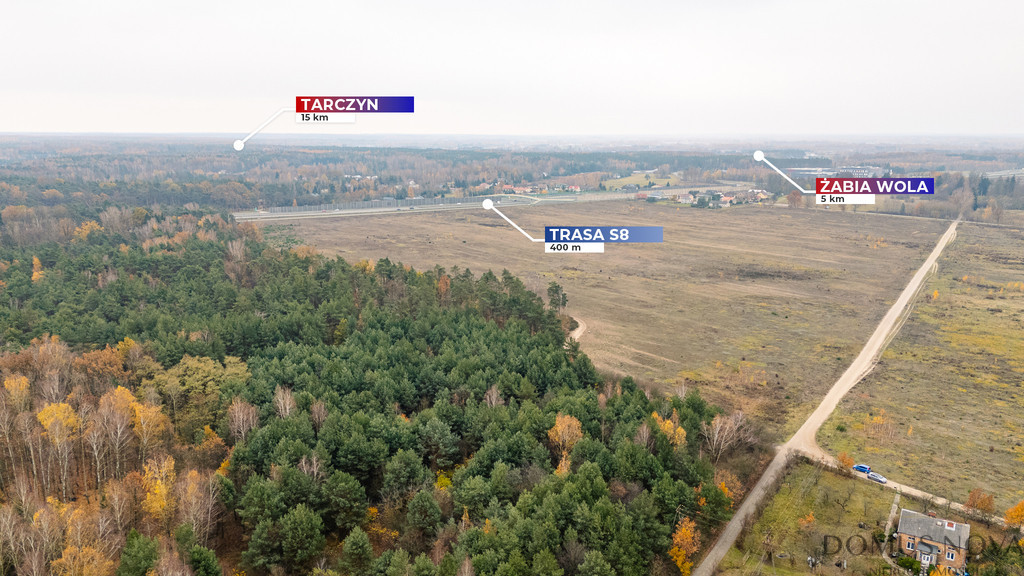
(150, 425)
(685, 543)
(980, 502)
(795, 199)
(37, 269)
(729, 485)
(61, 425)
(881, 425)
(192, 390)
(17, 391)
(99, 370)
(1014, 515)
(444, 286)
(159, 501)
(671, 428)
(81, 234)
(564, 435)
(82, 561)
(845, 462)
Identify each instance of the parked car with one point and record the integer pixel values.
(877, 477)
(862, 468)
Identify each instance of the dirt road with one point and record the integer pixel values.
(581, 327)
(804, 440)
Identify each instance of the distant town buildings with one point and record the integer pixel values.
(851, 171)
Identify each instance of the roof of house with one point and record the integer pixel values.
(935, 529)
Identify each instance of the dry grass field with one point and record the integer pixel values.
(951, 384)
(759, 307)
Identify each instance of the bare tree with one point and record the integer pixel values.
(115, 413)
(116, 220)
(466, 569)
(235, 263)
(964, 199)
(284, 402)
(7, 435)
(725, 433)
(996, 212)
(242, 418)
(95, 439)
(312, 466)
(28, 429)
(9, 527)
(106, 534)
(492, 397)
(52, 388)
(171, 564)
(318, 413)
(643, 436)
(197, 503)
(119, 503)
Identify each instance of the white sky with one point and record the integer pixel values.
(640, 67)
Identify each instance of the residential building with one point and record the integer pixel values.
(933, 541)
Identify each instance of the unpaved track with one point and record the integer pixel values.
(581, 327)
(804, 440)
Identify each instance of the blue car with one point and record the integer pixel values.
(862, 468)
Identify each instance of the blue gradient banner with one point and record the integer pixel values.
(602, 234)
(354, 104)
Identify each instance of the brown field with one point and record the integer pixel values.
(951, 383)
(761, 308)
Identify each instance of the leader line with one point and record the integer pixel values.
(759, 157)
(239, 144)
(489, 205)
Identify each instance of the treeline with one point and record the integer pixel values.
(101, 173)
(175, 387)
(973, 196)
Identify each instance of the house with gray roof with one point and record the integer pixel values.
(933, 541)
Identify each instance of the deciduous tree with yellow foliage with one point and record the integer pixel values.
(81, 234)
(1014, 515)
(670, 426)
(159, 503)
(685, 543)
(61, 425)
(564, 435)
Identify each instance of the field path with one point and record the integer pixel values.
(581, 327)
(804, 440)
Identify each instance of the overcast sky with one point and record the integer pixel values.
(678, 68)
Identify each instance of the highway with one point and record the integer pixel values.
(396, 207)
